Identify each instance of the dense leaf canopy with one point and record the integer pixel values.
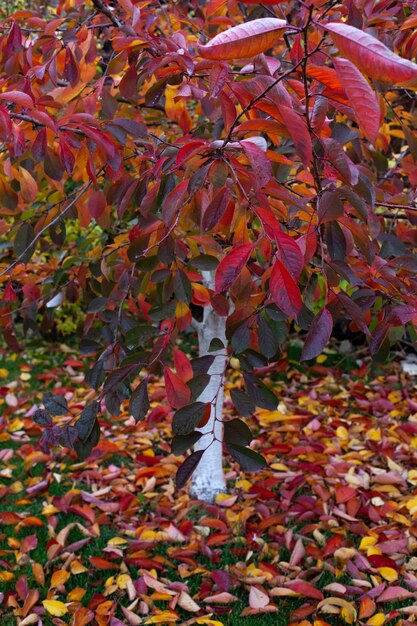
(146, 143)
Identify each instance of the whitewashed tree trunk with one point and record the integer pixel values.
(208, 479)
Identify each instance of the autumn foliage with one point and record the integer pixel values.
(272, 144)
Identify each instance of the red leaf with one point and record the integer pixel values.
(173, 202)
(216, 209)
(354, 312)
(66, 156)
(268, 2)
(18, 97)
(298, 131)
(99, 563)
(361, 97)
(230, 267)
(370, 55)
(178, 394)
(244, 40)
(5, 124)
(188, 150)
(183, 365)
(187, 468)
(39, 146)
(318, 335)
(96, 203)
(260, 163)
(284, 291)
(270, 223)
(9, 294)
(289, 253)
(329, 207)
(305, 589)
(339, 159)
(222, 579)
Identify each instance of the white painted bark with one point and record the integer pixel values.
(208, 479)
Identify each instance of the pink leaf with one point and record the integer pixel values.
(298, 553)
(244, 40)
(392, 594)
(258, 598)
(370, 55)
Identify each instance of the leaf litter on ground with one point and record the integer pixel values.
(326, 534)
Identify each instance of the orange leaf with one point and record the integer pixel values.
(59, 577)
(366, 608)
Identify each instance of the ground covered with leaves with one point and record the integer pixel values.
(325, 535)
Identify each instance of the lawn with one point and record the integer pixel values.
(325, 535)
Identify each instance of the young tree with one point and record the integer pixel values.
(234, 167)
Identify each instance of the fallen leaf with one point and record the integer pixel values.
(55, 607)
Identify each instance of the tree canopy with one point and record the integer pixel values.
(147, 146)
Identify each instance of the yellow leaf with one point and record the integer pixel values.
(123, 580)
(164, 617)
(366, 542)
(15, 425)
(6, 576)
(49, 509)
(347, 615)
(374, 434)
(395, 396)
(376, 620)
(3, 372)
(342, 433)
(208, 620)
(54, 607)
(116, 541)
(243, 484)
(389, 573)
(59, 577)
(77, 568)
(151, 535)
(412, 504)
(321, 358)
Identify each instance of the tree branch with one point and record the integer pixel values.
(102, 8)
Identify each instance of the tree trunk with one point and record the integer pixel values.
(208, 479)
